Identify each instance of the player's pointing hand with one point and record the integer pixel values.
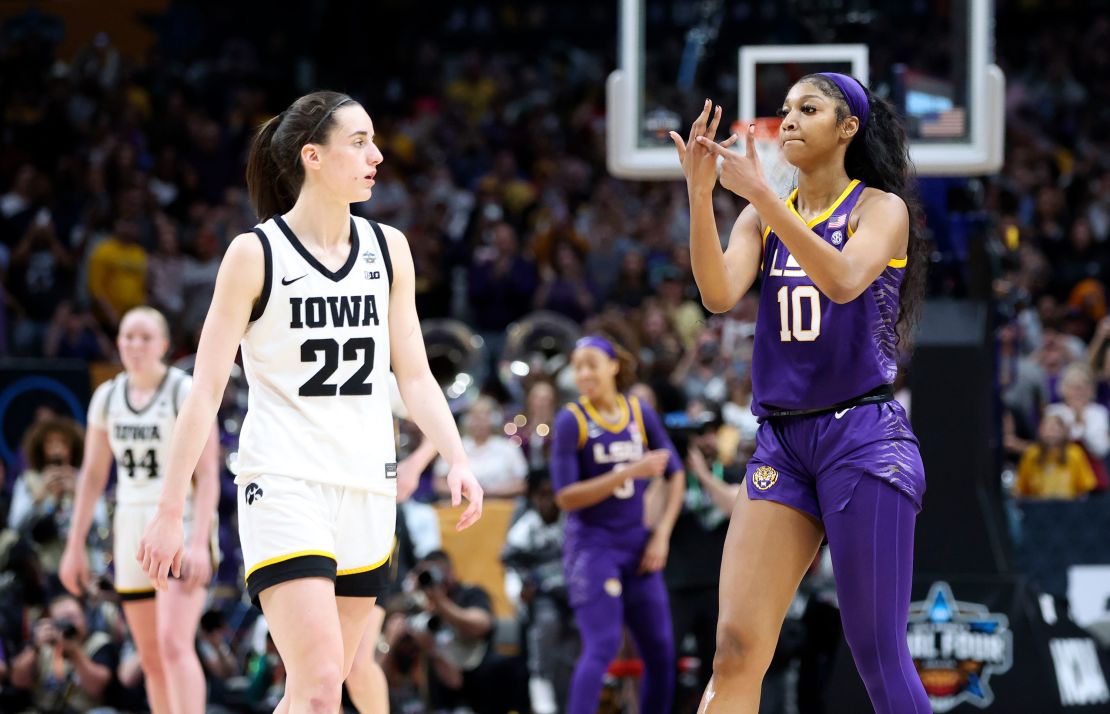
(699, 165)
(740, 173)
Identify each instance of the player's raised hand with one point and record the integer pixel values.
(160, 548)
(463, 485)
(740, 173)
(650, 465)
(699, 165)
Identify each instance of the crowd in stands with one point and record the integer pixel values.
(122, 184)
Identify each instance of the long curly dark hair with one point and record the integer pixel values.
(34, 441)
(879, 156)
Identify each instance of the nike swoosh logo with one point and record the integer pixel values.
(842, 412)
(287, 281)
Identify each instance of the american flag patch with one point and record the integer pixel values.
(838, 221)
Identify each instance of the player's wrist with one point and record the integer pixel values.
(171, 507)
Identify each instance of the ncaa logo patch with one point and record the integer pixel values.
(252, 493)
(613, 587)
(764, 478)
(838, 237)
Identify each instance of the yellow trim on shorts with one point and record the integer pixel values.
(372, 566)
(581, 418)
(282, 558)
(133, 591)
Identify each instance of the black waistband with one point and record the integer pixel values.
(880, 394)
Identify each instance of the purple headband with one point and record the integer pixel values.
(854, 94)
(598, 343)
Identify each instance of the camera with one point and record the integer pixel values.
(425, 622)
(67, 628)
(429, 577)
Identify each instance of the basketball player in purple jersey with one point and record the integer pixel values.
(606, 446)
(841, 263)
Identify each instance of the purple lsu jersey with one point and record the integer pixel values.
(811, 353)
(586, 446)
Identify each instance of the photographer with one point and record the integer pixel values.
(533, 554)
(454, 630)
(64, 668)
(42, 497)
(697, 542)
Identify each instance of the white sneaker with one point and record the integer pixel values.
(542, 694)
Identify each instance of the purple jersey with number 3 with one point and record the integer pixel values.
(587, 446)
(811, 353)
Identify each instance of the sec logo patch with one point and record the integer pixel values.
(764, 478)
(613, 587)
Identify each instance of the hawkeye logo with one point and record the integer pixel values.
(957, 647)
(252, 493)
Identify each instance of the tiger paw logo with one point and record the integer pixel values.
(764, 478)
(957, 647)
(252, 493)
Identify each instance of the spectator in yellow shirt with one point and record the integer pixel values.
(117, 273)
(1054, 468)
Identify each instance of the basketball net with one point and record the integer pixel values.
(779, 174)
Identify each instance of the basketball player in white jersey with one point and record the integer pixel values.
(322, 303)
(131, 418)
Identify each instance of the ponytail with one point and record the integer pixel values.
(274, 170)
(266, 183)
(626, 373)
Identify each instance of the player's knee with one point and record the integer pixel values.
(742, 651)
(152, 666)
(364, 672)
(602, 646)
(173, 645)
(321, 688)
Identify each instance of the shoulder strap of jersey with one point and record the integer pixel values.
(580, 417)
(383, 246)
(638, 415)
(267, 274)
(177, 392)
(108, 398)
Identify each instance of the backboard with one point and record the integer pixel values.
(932, 59)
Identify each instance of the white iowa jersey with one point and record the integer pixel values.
(316, 356)
(140, 438)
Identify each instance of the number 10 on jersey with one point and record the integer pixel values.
(790, 313)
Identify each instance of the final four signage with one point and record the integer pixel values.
(958, 647)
